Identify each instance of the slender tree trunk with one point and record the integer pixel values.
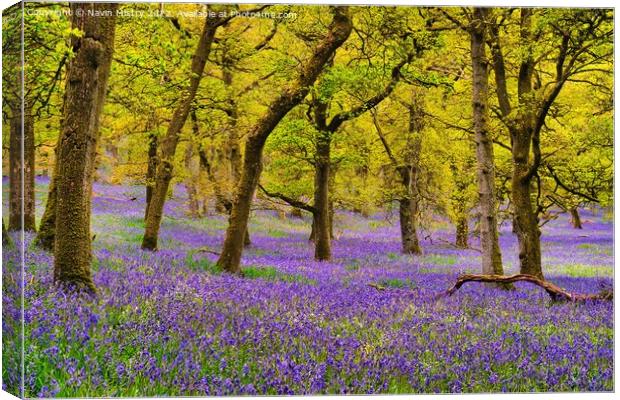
(29, 171)
(233, 150)
(339, 31)
(170, 141)
(47, 228)
(462, 233)
(86, 80)
(575, 219)
(21, 141)
(222, 204)
(322, 236)
(151, 169)
(15, 171)
(190, 182)
(407, 214)
(489, 235)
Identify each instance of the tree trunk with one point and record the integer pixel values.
(339, 31)
(462, 233)
(489, 235)
(575, 219)
(222, 204)
(170, 141)
(322, 236)
(47, 228)
(407, 214)
(150, 171)
(522, 135)
(525, 220)
(190, 182)
(86, 81)
(29, 171)
(409, 174)
(233, 150)
(15, 171)
(21, 141)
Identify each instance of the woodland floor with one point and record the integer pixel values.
(167, 323)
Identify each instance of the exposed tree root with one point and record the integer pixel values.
(555, 292)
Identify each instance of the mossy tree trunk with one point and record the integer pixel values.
(47, 227)
(169, 143)
(462, 233)
(21, 193)
(339, 31)
(322, 225)
(575, 219)
(191, 181)
(15, 171)
(489, 235)
(525, 138)
(407, 211)
(151, 168)
(84, 96)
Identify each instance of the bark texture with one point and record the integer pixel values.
(84, 95)
(338, 32)
(21, 194)
(407, 211)
(47, 228)
(555, 292)
(524, 139)
(575, 219)
(190, 182)
(409, 174)
(15, 172)
(524, 124)
(489, 236)
(171, 139)
(151, 169)
(462, 233)
(322, 226)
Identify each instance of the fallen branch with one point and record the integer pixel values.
(555, 292)
(206, 250)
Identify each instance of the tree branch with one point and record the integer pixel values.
(340, 118)
(289, 200)
(555, 292)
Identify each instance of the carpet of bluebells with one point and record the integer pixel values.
(167, 323)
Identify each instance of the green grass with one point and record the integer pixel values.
(354, 266)
(580, 270)
(596, 249)
(397, 283)
(201, 264)
(438, 260)
(274, 233)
